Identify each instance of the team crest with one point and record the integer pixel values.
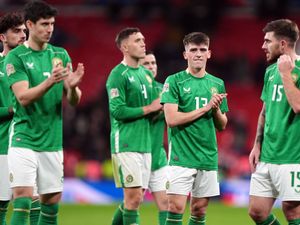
(214, 90)
(149, 79)
(165, 88)
(10, 69)
(294, 77)
(114, 92)
(56, 62)
(129, 179)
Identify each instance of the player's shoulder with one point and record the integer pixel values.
(214, 79)
(271, 68)
(56, 49)
(178, 77)
(18, 51)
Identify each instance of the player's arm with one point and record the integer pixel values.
(175, 118)
(285, 66)
(255, 152)
(6, 112)
(26, 95)
(220, 119)
(73, 93)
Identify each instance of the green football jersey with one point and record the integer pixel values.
(159, 157)
(5, 103)
(193, 145)
(37, 126)
(281, 131)
(129, 89)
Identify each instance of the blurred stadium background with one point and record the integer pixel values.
(87, 28)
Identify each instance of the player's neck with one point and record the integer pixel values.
(196, 73)
(131, 62)
(5, 51)
(37, 46)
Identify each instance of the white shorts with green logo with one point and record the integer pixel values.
(200, 183)
(131, 169)
(158, 180)
(276, 181)
(5, 190)
(28, 168)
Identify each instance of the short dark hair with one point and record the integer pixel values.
(195, 38)
(283, 28)
(10, 21)
(125, 33)
(38, 9)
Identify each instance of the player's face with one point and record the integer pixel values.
(196, 55)
(14, 36)
(42, 30)
(271, 47)
(135, 46)
(149, 62)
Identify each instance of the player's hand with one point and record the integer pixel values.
(285, 65)
(58, 74)
(216, 100)
(254, 158)
(155, 105)
(75, 77)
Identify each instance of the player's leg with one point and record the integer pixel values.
(262, 196)
(287, 180)
(131, 172)
(157, 186)
(180, 182)
(291, 210)
(50, 185)
(206, 185)
(5, 194)
(35, 210)
(22, 168)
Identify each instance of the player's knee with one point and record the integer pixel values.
(291, 210)
(176, 207)
(257, 214)
(198, 209)
(134, 202)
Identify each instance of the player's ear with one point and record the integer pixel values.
(209, 54)
(29, 24)
(184, 55)
(2, 38)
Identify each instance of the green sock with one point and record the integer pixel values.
(35, 212)
(48, 215)
(162, 216)
(131, 217)
(21, 211)
(174, 219)
(118, 216)
(294, 222)
(3, 210)
(194, 220)
(271, 220)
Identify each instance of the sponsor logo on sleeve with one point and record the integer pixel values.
(165, 88)
(10, 69)
(114, 92)
(149, 79)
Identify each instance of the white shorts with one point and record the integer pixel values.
(131, 169)
(158, 180)
(28, 167)
(5, 190)
(276, 181)
(200, 183)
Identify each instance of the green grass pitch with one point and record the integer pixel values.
(217, 213)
